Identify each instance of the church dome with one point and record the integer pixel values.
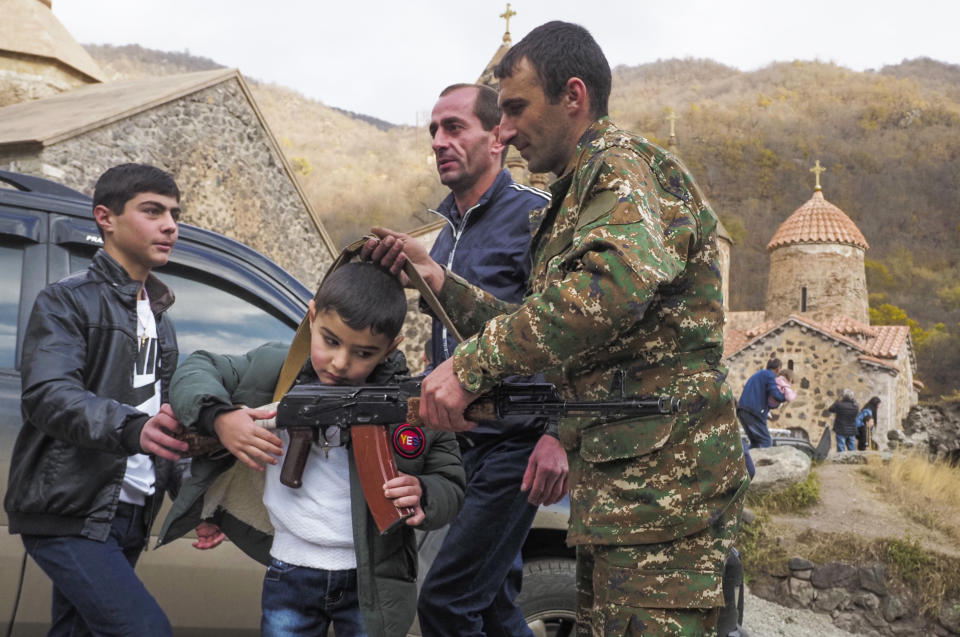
(818, 221)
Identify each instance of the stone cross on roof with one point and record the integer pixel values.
(818, 170)
(506, 15)
(672, 118)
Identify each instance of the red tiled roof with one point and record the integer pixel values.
(733, 341)
(818, 221)
(850, 327)
(883, 342)
(889, 340)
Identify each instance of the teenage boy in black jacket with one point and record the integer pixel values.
(94, 455)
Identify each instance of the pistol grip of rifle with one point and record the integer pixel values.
(291, 474)
(375, 465)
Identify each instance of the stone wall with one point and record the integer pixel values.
(859, 599)
(934, 429)
(822, 368)
(232, 179)
(832, 274)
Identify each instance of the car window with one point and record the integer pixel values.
(11, 269)
(209, 315)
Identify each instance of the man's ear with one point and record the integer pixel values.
(497, 146)
(104, 218)
(575, 95)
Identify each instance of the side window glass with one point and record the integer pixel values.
(11, 269)
(211, 317)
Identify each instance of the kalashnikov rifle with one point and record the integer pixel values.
(363, 414)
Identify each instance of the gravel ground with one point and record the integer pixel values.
(767, 619)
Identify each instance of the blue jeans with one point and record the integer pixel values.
(301, 601)
(95, 590)
(849, 441)
(755, 428)
(473, 584)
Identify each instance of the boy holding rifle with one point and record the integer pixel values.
(327, 562)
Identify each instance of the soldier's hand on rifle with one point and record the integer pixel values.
(252, 445)
(405, 491)
(394, 249)
(546, 474)
(209, 536)
(443, 400)
(156, 437)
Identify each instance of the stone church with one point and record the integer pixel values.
(816, 321)
(63, 120)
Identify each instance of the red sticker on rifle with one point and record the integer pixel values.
(408, 441)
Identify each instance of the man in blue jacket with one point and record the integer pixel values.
(511, 466)
(753, 406)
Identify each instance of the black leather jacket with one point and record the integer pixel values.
(79, 426)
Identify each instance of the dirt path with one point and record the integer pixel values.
(849, 503)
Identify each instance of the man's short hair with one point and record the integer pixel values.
(558, 51)
(774, 364)
(120, 184)
(364, 295)
(485, 107)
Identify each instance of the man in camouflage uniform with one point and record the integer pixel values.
(625, 294)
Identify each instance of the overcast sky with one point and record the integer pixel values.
(390, 58)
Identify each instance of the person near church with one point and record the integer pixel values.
(753, 407)
(624, 298)
(845, 410)
(784, 381)
(866, 421)
(96, 451)
(512, 465)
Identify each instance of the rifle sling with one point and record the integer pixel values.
(300, 346)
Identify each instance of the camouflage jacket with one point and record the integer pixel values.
(625, 284)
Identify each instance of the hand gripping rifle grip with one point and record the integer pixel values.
(375, 465)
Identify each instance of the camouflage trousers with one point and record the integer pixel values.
(667, 589)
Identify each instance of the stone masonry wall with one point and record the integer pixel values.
(859, 599)
(833, 275)
(822, 368)
(231, 179)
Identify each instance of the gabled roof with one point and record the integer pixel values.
(53, 119)
(877, 344)
(28, 27)
(818, 221)
(50, 120)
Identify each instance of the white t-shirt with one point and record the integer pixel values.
(313, 525)
(139, 479)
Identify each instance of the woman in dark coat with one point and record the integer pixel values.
(845, 421)
(866, 420)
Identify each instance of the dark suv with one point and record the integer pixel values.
(229, 299)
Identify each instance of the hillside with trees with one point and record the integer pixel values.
(890, 140)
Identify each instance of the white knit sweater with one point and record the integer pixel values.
(313, 525)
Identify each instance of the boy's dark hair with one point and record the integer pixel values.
(364, 295)
(120, 184)
(558, 51)
(485, 106)
(773, 364)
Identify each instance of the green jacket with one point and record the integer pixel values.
(625, 287)
(230, 494)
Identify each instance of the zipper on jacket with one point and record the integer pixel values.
(457, 232)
